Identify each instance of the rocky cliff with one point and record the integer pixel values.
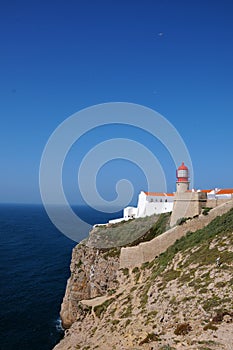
(180, 300)
(93, 273)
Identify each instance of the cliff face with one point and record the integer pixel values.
(93, 272)
(180, 300)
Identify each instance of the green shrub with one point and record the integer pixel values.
(149, 338)
(125, 271)
(212, 303)
(112, 253)
(111, 291)
(182, 329)
(135, 270)
(127, 322)
(137, 276)
(152, 313)
(127, 312)
(181, 221)
(220, 315)
(171, 275)
(115, 322)
(144, 296)
(211, 326)
(79, 263)
(206, 210)
(99, 309)
(220, 284)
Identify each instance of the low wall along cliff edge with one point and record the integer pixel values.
(135, 256)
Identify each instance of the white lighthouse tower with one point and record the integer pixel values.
(187, 204)
(182, 183)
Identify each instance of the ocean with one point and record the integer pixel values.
(34, 268)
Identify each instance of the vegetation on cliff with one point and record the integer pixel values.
(200, 240)
(128, 233)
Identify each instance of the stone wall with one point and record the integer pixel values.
(135, 256)
(187, 204)
(212, 203)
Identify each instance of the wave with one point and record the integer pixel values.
(59, 327)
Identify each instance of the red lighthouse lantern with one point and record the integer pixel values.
(182, 173)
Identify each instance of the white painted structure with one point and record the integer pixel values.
(149, 203)
(218, 193)
(130, 213)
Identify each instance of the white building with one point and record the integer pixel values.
(149, 203)
(130, 213)
(218, 193)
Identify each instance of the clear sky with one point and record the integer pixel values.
(58, 57)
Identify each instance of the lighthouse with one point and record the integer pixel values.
(187, 204)
(182, 175)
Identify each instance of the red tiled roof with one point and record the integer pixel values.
(225, 191)
(163, 194)
(158, 194)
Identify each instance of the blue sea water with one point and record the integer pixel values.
(34, 268)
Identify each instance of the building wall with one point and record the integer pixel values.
(182, 186)
(141, 204)
(212, 203)
(187, 204)
(130, 212)
(158, 208)
(149, 205)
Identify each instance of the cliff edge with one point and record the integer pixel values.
(93, 273)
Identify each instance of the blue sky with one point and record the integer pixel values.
(58, 57)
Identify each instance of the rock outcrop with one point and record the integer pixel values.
(93, 273)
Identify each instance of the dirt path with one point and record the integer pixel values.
(96, 301)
